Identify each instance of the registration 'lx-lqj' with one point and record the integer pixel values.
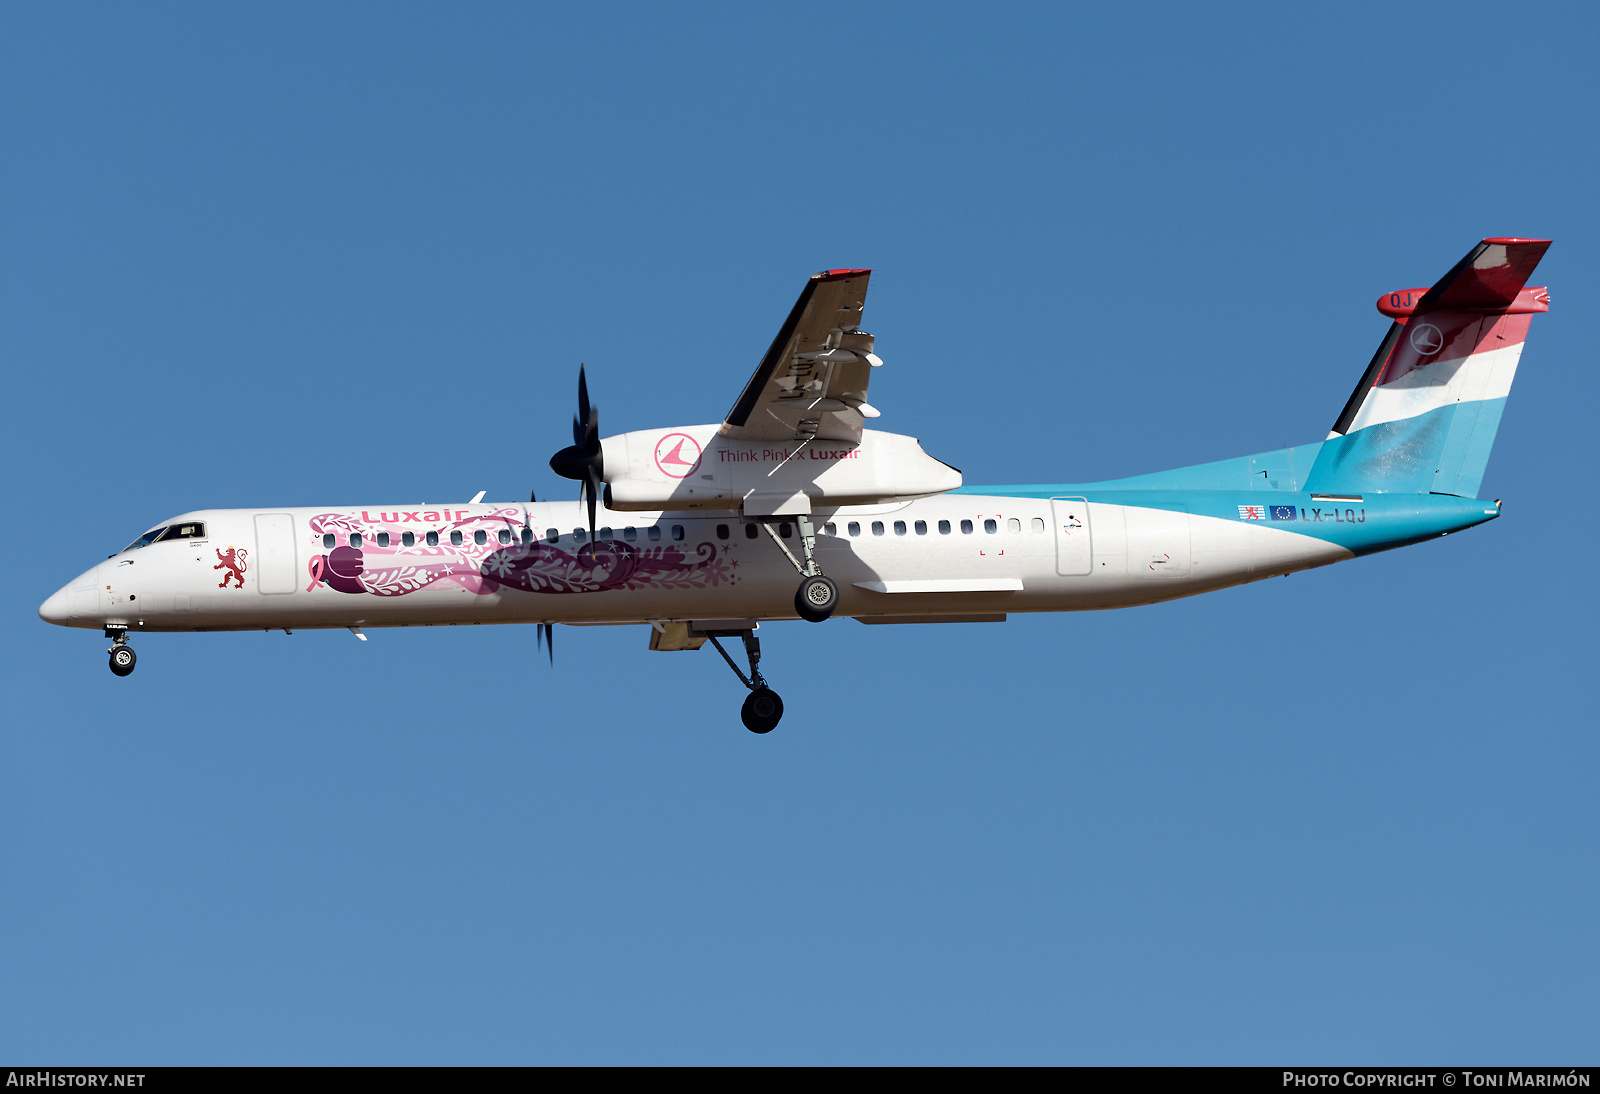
(791, 507)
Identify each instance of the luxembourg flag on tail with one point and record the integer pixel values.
(1424, 417)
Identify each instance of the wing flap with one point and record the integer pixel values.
(812, 382)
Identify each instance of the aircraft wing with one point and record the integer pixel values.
(813, 380)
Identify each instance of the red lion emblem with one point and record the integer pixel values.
(234, 563)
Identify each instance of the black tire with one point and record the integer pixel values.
(762, 711)
(816, 598)
(123, 659)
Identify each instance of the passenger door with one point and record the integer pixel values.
(1074, 549)
(277, 568)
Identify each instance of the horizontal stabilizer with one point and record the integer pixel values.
(1488, 279)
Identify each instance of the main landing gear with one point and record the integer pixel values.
(123, 659)
(817, 596)
(762, 709)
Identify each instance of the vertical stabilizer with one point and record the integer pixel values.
(1424, 416)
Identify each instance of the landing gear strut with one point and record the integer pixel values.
(123, 659)
(762, 709)
(817, 596)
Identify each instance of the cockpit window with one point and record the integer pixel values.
(145, 540)
(189, 529)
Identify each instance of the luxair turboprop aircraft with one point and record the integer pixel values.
(703, 532)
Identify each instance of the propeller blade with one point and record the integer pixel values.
(591, 491)
(548, 632)
(583, 458)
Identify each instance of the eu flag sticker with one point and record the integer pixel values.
(1283, 512)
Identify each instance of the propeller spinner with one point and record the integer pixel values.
(582, 459)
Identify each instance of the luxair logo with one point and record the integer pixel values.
(1427, 340)
(677, 455)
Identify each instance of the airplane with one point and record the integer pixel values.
(790, 508)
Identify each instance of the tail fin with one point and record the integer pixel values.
(1424, 416)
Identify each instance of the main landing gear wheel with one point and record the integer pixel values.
(816, 598)
(762, 711)
(123, 659)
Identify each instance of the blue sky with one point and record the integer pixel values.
(301, 256)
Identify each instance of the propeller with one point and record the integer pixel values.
(582, 460)
(547, 639)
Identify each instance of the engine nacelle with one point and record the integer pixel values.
(697, 468)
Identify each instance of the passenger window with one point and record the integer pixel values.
(579, 535)
(990, 526)
(630, 533)
(1013, 525)
(653, 532)
(408, 539)
(921, 527)
(505, 536)
(899, 527)
(328, 541)
(383, 539)
(830, 529)
(854, 528)
(877, 527)
(605, 533)
(480, 537)
(783, 529)
(433, 539)
(1038, 524)
(552, 535)
(677, 531)
(966, 527)
(722, 531)
(944, 528)
(751, 531)
(355, 540)
(527, 535)
(455, 538)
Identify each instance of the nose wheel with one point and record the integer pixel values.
(762, 711)
(123, 659)
(763, 708)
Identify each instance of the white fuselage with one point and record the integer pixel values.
(300, 568)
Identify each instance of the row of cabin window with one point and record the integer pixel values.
(991, 526)
(504, 536)
(653, 532)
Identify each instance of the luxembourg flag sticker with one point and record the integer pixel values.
(1252, 512)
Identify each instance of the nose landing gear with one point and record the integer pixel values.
(762, 709)
(123, 659)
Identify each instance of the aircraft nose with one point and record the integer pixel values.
(55, 610)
